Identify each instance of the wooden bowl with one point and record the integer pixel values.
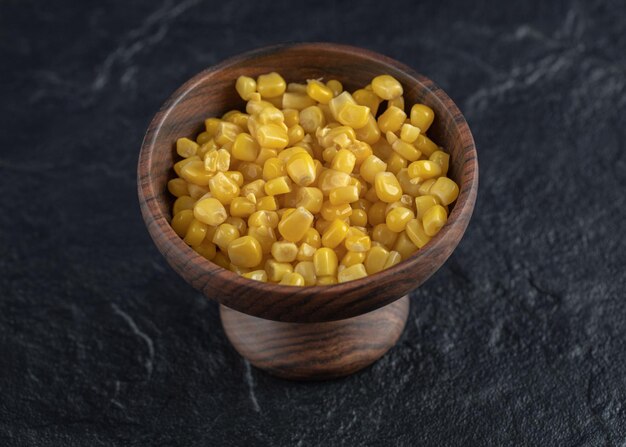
(246, 304)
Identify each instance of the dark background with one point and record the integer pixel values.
(519, 339)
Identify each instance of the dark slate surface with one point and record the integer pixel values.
(518, 340)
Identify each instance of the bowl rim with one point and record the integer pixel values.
(451, 233)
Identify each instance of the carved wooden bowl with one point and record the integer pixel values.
(303, 332)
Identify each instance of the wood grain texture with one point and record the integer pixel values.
(211, 93)
(316, 351)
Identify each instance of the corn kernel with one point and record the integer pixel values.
(307, 270)
(359, 243)
(434, 218)
(398, 218)
(292, 117)
(206, 249)
(267, 203)
(310, 198)
(396, 102)
(305, 252)
(404, 246)
(327, 135)
(335, 233)
(256, 275)
(222, 260)
(375, 260)
(344, 195)
(210, 211)
(370, 133)
(301, 169)
(224, 235)
(292, 279)
(278, 185)
(424, 187)
(271, 85)
(423, 203)
(331, 212)
(326, 280)
(263, 218)
(183, 203)
(353, 257)
(265, 235)
(194, 172)
(442, 159)
(422, 117)
(386, 87)
(295, 134)
(358, 217)
(325, 262)
(406, 150)
(277, 270)
(318, 91)
(178, 187)
(226, 133)
(264, 155)
(335, 86)
(186, 148)
(297, 101)
(415, 232)
(272, 136)
(353, 115)
(393, 259)
(311, 118)
(395, 163)
(238, 223)
(196, 233)
(210, 125)
(384, 235)
(312, 237)
(295, 87)
(387, 187)
(423, 170)
(367, 98)
(337, 104)
(181, 222)
(370, 167)
(255, 187)
(294, 225)
(242, 207)
(344, 161)
(445, 190)
(245, 86)
(273, 168)
(284, 251)
(425, 145)
(244, 251)
(245, 148)
(376, 214)
(331, 179)
(250, 171)
(351, 273)
(391, 120)
(223, 188)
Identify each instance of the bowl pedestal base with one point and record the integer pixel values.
(316, 351)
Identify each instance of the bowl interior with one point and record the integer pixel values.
(211, 93)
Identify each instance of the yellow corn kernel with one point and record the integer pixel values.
(295, 134)
(382, 149)
(393, 259)
(371, 166)
(240, 119)
(265, 235)
(256, 275)
(331, 212)
(338, 103)
(391, 120)
(263, 218)
(396, 102)
(207, 147)
(423, 203)
(353, 115)
(255, 187)
(422, 117)
(284, 251)
(203, 138)
(238, 223)
(267, 203)
(271, 85)
(236, 177)
(277, 270)
(301, 168)
(271, 115)
(292, 279)
(376, 214)
(264, 155)
(406, 150)
(245, 86)
(196, 232)
(284, 212)
(331, 179)
(326, 281)
(305, 252)
(226, 133)
(424, 187)
(442, 159)
(391, 137)
(178, 187)
(206, 249)
(344, 161)
(327, 135)
(370, 133)
(335, 86)
(318, 91)
(351, 273)
(405, 182)
(359, 243)
(409, 133)
(353, 257)
(292, 117)
(386, 87)
(244, 251)
(278, 185)
(272, 136)
(325, 262)
(329, 154)
(307, 270)
(312, 118)
(434, 218)
(186, 148)
(242, 207)
(445, 190)
(211, 124)
(181, 222)
(421, 170)
(310, 198)
(224, 235)
(387, 187)
(358, 217)
(376, 259)
(210, 211)
(312, 237)
(223, 188)
(295, 87)
(273, 168)
(254, 106)
(222, 260)
(404, 245)
(294, 225)
(344, 195)
(415, 232)
(194, 172)
(382, 234)
(425, 145)
(335, 233)
(297, 101)
(245, 148)
(370, 195)
(395, 163)
(398, 218)
(367, 98)
(183, 203)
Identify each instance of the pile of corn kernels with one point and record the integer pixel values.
(312, 185)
